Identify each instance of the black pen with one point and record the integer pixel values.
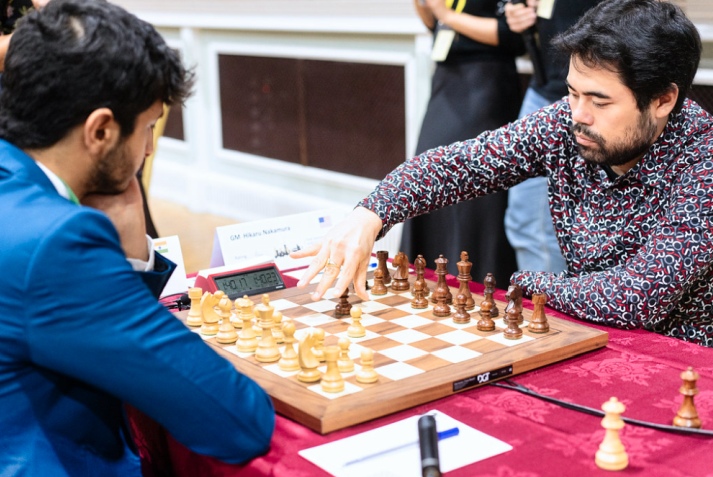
(441, 435)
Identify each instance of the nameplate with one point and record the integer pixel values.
(170, 247)
(273, 239)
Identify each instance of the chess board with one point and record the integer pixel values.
(419, 357)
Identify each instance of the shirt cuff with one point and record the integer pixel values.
(143, 266)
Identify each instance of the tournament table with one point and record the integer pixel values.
(640, 368)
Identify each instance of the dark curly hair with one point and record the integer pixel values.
(650, 44)
(75, 56)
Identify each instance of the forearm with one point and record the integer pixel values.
(480, 29)
(425, 14)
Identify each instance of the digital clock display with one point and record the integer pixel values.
(251, 282)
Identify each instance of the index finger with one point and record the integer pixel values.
(320, 253)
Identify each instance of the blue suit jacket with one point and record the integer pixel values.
(81, 333)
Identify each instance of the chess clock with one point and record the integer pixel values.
(237, 282)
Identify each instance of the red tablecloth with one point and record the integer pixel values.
(640, 368)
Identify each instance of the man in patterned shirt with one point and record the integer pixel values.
(629, 165)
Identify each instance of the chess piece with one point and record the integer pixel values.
(513, 331)
(485, 323)
(379, 287)
(490, 283)
(211, 318)
(344, 362)
(226, 330)
(514, 296)
(464, 267)
(247, 339)
(400, 278)
(461, 316)
(289, 360)
(538, 322)
(318, 349)
(442, 308)
(420, 266)
(195, 318)
(611, 454)
(687, 416)
(419, 300)
(267, 350)
(332, 380)
(224, 306)
(343, 307)
(367, 374)
(277, 333)
(356, 329)
(442, 289)
(264, 301)
(382, 256)
(307, 361)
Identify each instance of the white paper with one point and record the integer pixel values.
(170, 247)
(274, 238)
(468, 447)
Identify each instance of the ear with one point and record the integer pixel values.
(101, 132)
(664, 104)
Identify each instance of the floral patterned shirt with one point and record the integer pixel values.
(639, 247)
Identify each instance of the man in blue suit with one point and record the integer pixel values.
(81, 331)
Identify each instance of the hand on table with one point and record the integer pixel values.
(520, 17)
(126, 211)
(348, 245)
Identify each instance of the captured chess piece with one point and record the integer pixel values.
(489, 283)
(382, 256)
(461, 316)
(514, 296)
(379, 287)
(343, 307)
(442, 290)
(332, 380)
(289, 361)
(485, 323)
(356, 329)
(611, 454)
(367, 373)
(538, 322)
(513, 331)
(400, 277)
(344, 362)
(687, 416)
(308, 362)
(195, 318)
(420, 265)
(419, 300)
(464, 277)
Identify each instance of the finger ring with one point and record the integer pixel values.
(330, 263)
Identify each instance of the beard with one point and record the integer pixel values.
(112, 173)
(637, 140)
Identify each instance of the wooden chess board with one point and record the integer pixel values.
(419, 357)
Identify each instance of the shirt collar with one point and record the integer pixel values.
(61, 186)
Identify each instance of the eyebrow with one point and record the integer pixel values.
(596, 94)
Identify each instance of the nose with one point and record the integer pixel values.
(581, 112)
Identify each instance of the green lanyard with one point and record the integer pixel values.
(70, 192)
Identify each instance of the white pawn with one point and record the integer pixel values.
(356, 329)
(367, 374)
(226, 330)
(345, 363)
(318, 349)
(277, 333)
(289, 360)
(332, 380)
(611, 454)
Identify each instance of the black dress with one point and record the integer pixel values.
(477, 88)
